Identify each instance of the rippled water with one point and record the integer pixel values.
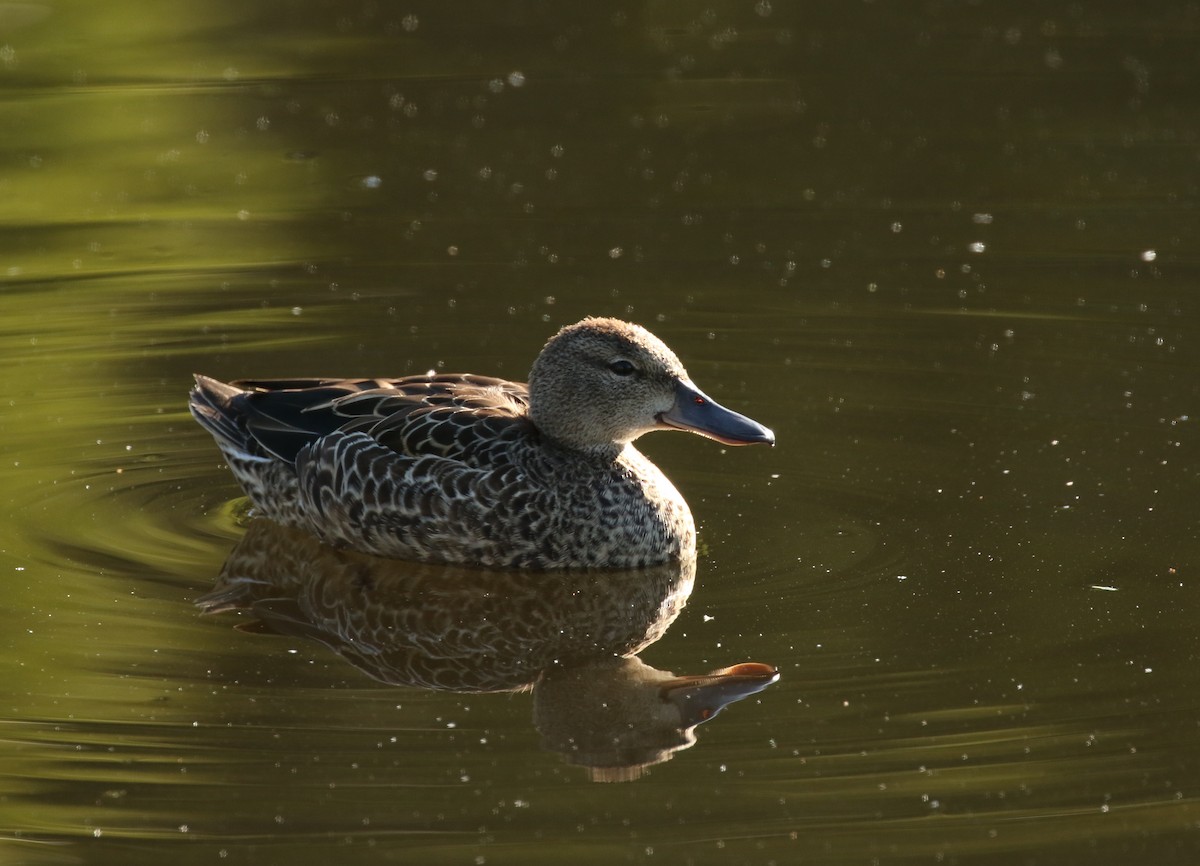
(947, 254)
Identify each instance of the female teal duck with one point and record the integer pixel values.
(471, 470)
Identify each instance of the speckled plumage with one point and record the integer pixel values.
(466, 469)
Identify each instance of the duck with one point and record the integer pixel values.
(473, 470)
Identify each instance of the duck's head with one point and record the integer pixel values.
(601, 383)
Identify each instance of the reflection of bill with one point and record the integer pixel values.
(618, 716)
(571, 636)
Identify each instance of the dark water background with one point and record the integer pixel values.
(947, 250)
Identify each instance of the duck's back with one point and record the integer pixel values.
(450, 415)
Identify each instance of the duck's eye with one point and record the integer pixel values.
(622, 367)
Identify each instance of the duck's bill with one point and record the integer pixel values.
(699, 698)
(696, 411)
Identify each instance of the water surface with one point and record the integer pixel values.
(947, 253)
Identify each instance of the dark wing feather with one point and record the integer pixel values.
(455, 415)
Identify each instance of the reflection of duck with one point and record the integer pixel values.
(569, 634)
(445, 627)
(473, 470)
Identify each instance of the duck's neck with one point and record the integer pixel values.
(608, 452)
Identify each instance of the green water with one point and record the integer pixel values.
(947, 252)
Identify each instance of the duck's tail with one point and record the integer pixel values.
(214, 405)
(222, 410)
